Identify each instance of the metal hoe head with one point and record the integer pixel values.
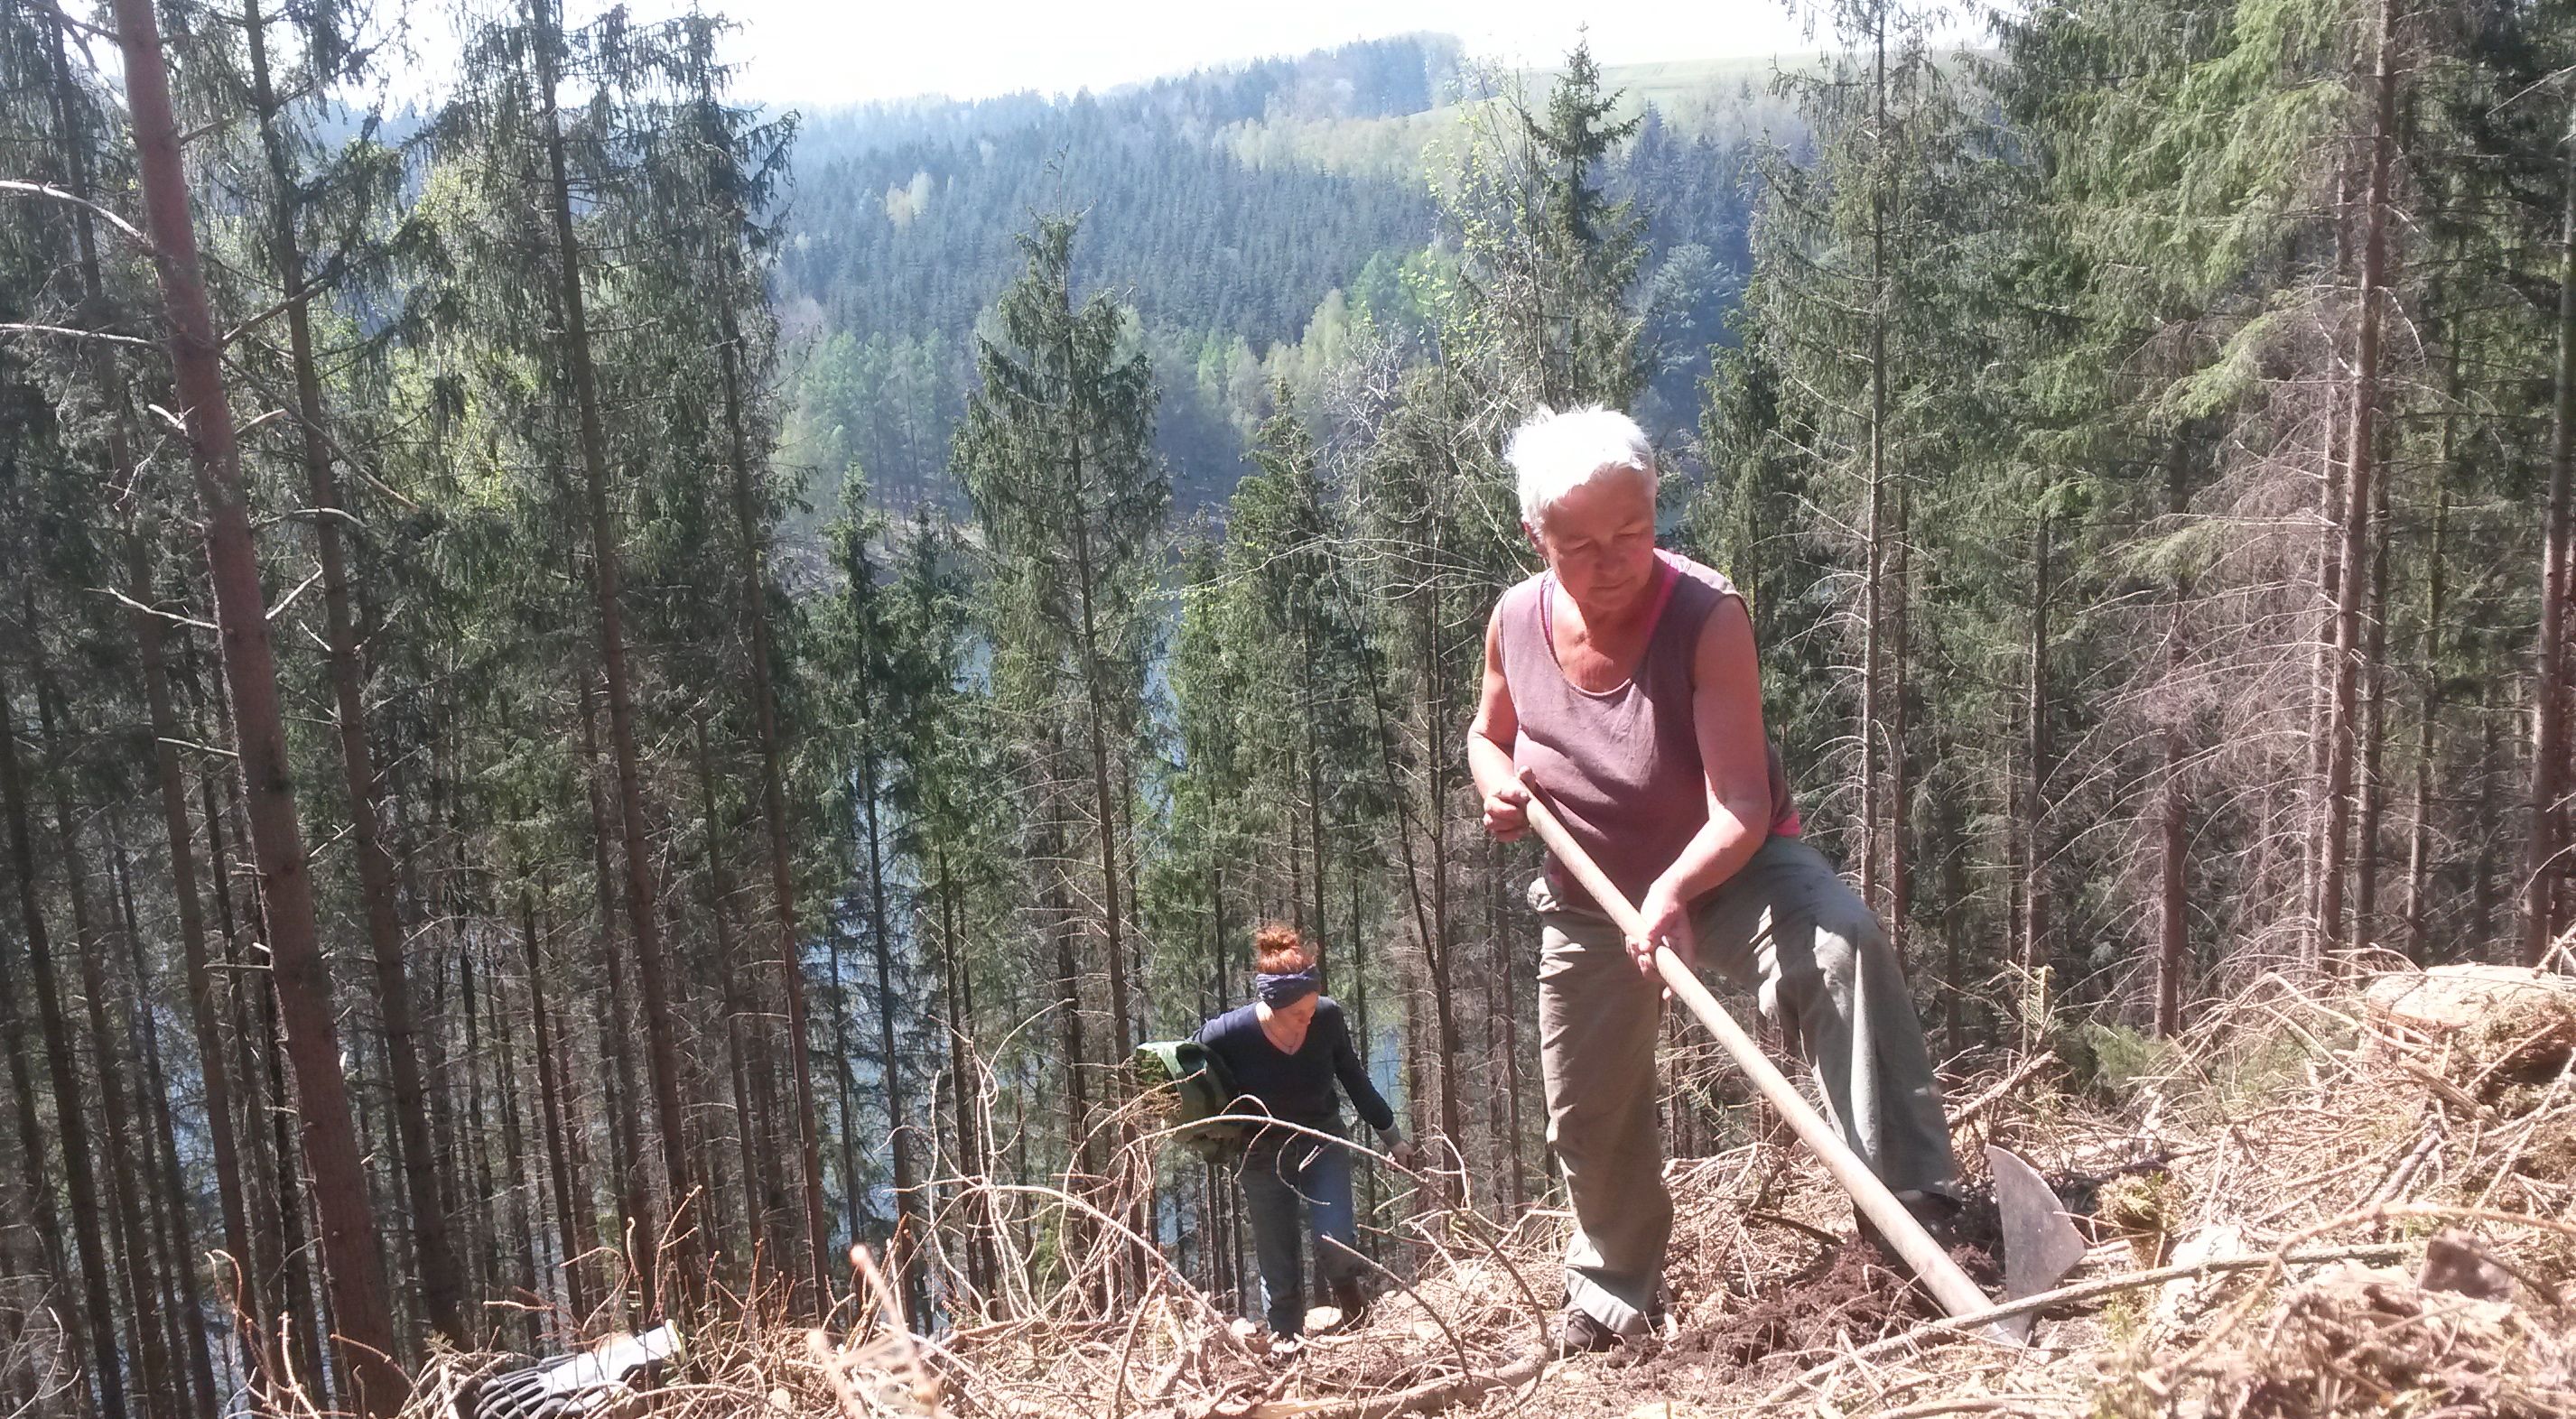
(2040, 1244)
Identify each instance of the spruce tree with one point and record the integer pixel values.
(1056, 456)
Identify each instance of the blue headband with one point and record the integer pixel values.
(1285, 988)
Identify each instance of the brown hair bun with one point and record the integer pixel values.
(1278, 949)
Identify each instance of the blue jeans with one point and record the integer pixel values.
(1275, 1179)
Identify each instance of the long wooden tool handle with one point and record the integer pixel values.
(1949, 1285)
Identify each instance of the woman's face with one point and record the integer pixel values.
(1599, 539)
(1297, 1013)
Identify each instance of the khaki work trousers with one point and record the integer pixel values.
(1786, 926)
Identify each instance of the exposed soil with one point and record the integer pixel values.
(1850, 1293)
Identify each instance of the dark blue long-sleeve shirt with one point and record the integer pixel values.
(1297, 1087)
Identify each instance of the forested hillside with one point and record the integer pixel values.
(1249, 219)
(611, 697)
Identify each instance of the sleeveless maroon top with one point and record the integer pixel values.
(1621, 767)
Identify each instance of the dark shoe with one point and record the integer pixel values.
(1577, 1333)
(1939, 1214)
(1346, 1297)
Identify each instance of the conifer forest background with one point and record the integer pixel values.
(601, 686)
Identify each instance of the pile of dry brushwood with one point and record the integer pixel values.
(2355, 1202)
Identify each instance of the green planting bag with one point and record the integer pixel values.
(1185, 1083)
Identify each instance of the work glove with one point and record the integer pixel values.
(580, 1383)
(1398, 1148)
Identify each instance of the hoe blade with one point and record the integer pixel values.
(2040, 1244)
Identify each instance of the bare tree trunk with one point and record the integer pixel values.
(554, 1105)
(1428, 907)
(2043, 752)
(760, 1259)
(171, 780)
(71, 1116)
(1082, 1148)
(2359, 499)
(965, 1086)
(1313, 677)
(180, 1246)
(514, 1158)
(1296, 860)
(582, 1280)
(2332, 502)
(1900, 790)
(1873, 530)
(1439, 944)
(1953, 858)
(2419, 854)
(427, 922)
(2483, 896)
(2173, 840)
(639, 1227)
(1368, 1195)
(2321, 697)
(778, 1218)
(158, 1191)
(35, 1177)
(719, 905)
(1213, 1191)
(2540, 910)
(2016, 856)
(1488, 1069)
(2374, 693)
(2428, 715)
(710, 1220)
(276, 1213)
(853, 1189)
(461, 1135)
(1068, 983)
(903, 1255)
(124, 1170)
(1104, 804)
(42, 1221)
(1417, 1064)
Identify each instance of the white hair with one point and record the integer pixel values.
(1553, 454)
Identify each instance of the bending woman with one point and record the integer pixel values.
(1285, 1052)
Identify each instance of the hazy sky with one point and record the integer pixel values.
(834, 51)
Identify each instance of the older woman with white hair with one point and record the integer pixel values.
(1622, 681)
